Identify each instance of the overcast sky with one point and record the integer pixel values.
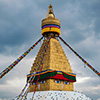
(20, 27)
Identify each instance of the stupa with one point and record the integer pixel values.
(55, 78)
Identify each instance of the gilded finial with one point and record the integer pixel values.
(50, 24)
(50, 6)
(50, 12)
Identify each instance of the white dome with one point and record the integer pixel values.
(58, 95)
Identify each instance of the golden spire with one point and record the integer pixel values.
(56, 71)
(50, 24)
(50, 12)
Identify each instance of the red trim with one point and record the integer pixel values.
(59, 77)
(50, 26)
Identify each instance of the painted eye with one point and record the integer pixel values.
(34, 83)
(66, 82)
(57, 81)
(42, 82)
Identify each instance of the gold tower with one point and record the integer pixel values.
(56, 72)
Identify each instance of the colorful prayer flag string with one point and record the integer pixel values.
(80, 57)
(40, 70)
(32, 78)
(4, 72)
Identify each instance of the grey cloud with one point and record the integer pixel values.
(20, 27)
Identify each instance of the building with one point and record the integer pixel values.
(53, 78)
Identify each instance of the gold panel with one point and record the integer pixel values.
(51, 85)
(55, 59)
(50, 20)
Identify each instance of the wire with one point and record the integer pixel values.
(31, 79)
(9, 68)
(44, 53)
(85, 62)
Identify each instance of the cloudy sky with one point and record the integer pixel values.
(20, 27)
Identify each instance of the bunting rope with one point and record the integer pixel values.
(37, 82)
(40, 69)
(4, 72)
(26, 86)
(32, 78)
(85, 62)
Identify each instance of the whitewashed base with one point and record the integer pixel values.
(58, 95)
